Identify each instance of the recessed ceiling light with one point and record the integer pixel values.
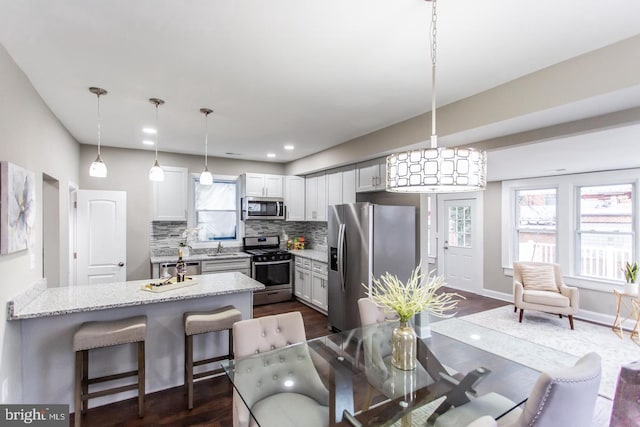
(289, 147)
(148, 142)
(149, 131)
(271, 155)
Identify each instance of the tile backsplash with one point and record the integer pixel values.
(315, 233)
(165, 236)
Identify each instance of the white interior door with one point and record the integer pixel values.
(101, 237)
(461, 245)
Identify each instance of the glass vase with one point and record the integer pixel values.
(403, 347)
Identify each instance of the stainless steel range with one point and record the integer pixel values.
(270, 266)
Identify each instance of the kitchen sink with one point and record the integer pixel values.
(225, 254)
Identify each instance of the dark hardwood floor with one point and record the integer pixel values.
(212, 397)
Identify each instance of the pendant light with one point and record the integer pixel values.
(156, 173)
(436, 169)
(98, 169)
(205, 177)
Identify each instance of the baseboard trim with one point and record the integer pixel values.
(502, 296)
(591, 316)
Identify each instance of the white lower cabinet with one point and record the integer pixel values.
(311, 284)
(242, 265)
(302, 283)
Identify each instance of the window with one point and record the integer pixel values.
(535, 225)
(587, 221)
(459, 226)
(605, 232)
(216, 210)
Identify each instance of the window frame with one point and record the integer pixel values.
(578, 230)
(566, 217)
(192, 220)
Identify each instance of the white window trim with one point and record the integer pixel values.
(191, 222)
(634, 220)
(428, 235)
(566, 196)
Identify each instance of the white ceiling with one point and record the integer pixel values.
(309, 73)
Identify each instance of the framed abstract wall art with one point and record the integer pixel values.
(17, 208)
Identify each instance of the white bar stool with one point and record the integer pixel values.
(92, 335)
(196, 323)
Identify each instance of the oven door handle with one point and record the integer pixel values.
(272, 262)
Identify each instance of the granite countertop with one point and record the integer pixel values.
(67, 300)
(198, 257)
(313, 254)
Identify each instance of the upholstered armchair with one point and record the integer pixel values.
(283, 387)
(564, 397)
(539, 286)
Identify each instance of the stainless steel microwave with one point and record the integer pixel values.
(262, 208)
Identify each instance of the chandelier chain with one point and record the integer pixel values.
(434, 30)
(433, 46)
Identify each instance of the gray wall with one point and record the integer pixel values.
(128, 171)
(494, 278)
(33, 138)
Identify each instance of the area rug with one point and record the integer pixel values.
(554, 344)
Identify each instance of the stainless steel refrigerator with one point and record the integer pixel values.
(365, 239)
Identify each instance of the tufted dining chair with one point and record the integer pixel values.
(539, 286)
(282, 388)
(563, 397)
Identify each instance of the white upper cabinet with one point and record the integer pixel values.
(371, 175)
(294, 191)
(263, 185)
(341, 186)
(170, 196)
(316, 197)
(273, 186)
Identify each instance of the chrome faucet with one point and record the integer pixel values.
(219, 250)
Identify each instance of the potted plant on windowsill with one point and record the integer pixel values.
(421, 293)
(631, 275)
(188, 235)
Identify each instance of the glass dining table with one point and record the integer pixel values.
(349, 381)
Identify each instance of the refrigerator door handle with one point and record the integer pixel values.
(341, 231)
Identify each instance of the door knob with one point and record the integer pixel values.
(121, 264)
(446, 244)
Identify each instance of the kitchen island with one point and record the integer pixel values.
(51, 316)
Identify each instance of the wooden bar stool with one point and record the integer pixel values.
(92, 335)
(196, 323)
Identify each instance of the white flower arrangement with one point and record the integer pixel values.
(189, 235)
(417, 295)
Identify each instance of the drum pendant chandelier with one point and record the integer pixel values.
(436, 169)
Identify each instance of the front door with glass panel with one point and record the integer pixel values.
(459, 248)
